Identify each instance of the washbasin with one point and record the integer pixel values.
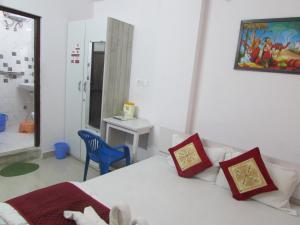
(27, 86)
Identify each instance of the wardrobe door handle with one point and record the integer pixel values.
(79, 86)
(84, 86)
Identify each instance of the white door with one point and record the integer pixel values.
(74, 85)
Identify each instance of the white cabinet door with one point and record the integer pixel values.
(74, 85)
(95, 32)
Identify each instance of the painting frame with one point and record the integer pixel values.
(237, 64)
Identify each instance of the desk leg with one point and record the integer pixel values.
(135, 146)
(107, 133)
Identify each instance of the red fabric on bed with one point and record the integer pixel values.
(46, 206)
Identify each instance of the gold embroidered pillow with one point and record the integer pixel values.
(189, 157)
(247, 175)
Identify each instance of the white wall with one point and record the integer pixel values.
(163, 54)
(246, 109)
(55, 15)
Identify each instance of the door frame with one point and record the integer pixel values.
(37, 68)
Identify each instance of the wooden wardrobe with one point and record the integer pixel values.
(99, 56)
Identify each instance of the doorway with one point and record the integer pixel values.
(19, 80)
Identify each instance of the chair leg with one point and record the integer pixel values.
(86, 167)
(128, 161)
(104, 168)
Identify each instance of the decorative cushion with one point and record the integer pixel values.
(284, 178)
(215, 155)
(189, 157)
(247, 175)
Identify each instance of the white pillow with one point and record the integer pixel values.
(215, 155)
(285, 179)
(177, 138)
(296, 195)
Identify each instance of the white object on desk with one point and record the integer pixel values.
(123, 118)
(136, 127)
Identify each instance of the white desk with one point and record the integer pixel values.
(136, 127)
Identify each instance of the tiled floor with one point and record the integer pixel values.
(51, 171)
(11, 140)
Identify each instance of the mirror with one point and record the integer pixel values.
(96, 83)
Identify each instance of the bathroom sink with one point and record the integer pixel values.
(27, 86)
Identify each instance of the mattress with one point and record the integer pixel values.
(156, 193)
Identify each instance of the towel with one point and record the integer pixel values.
(9, 216)
(2, 222)
(88, 217)
(139, 222)
(120, 215)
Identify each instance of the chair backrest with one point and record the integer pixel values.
(92, 142)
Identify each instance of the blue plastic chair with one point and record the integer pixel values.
(102, 153)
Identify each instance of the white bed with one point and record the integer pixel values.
(155, 192)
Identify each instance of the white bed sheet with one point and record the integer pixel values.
(155, 192)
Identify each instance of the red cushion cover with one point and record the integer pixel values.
(190, 157)
(247, 180)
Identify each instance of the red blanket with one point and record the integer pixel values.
(46, 206)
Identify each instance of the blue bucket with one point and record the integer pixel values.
(3, 119)
(61, 150)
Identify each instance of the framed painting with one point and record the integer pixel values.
(269, 45)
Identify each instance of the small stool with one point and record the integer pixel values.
(26, 127)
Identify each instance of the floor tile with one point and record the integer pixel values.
(51, 171)
(11, 140)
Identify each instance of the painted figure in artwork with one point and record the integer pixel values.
(252, 50)
(266, 58)
(247, 57)
(256, 50)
